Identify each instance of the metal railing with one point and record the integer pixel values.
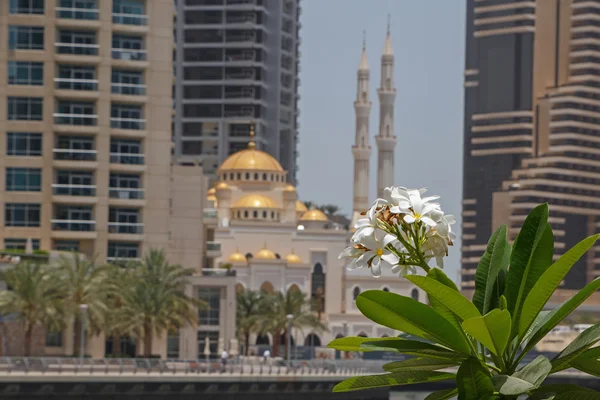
(75, 119)
(128, 123)
(76, 84)
(73, 225)
(129, 228)
(209, 213)
(73, 190)
(77, 48)
(130, 19)
(129, 54)
(126, 193)
(74, 154)
(213, 246)
(77, 13)
(132, 89)
(127, 158)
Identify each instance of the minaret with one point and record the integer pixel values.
(386, 141)
(361, 149)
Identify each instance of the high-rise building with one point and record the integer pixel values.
(532, 125)
(85, 117)
(236, 65)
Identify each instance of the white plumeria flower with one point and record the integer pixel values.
(377, 253)
(366, 226)
(404, 270)
(353, 252)
(443, 223)
(435, 246)
(420, 208)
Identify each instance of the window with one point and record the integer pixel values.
(318, 287)
(22, 214)
(76, 42)
(76, 113)
(25, 108)
(23, 144)
(415, 294)
(74, 183)
(124, 220)
(67, 245)
(20, 244)
(124, 116)
(173, 345)
(123, 250)
(76, 148)
(355, 292)
(76, 77)
(126, 47)
(26, 6)
(25, 73)
(23, 179)
(25, 37)
(130, 12)
(77, 9)
(212, 296)
(54, 339)
(213, 340)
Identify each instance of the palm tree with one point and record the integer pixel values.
(156, 301)
(277, 307)
(119, 280)
(249, 304)
(309, 204)
(83, 282)
(330, 209)
(34, 296)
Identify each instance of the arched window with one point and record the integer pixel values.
(255, 214)
(387, 130)
(317, 290)
(255, 176)
(384, 335)
(294, 288)
(267, 287)
(239, 288)
(239, 176)
(247, 176)
(231, 176)
(264, 177)
(224, 177)
(245, 214)
(356, 292)
(262, 339)
(362, 334)
(264, 214)
(312, 340)
(415, 294)
(386, 289)
(273, 214)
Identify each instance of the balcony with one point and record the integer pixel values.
(75, 119)
(127, 158)
(128, 123)
(73, 229)
(130, 19)
(82, 49)
(126, 193)
(213, 249)
(209, 216)
(218, 272)
(74, 155)
(129, 54)
(73, 190)
(129, 89)
(239, 113)
(77, 13)
(76, 84)
(128, 228)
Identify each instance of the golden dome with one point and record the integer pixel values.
(265, 254)
(293, 258)
(289, 188)
(300, 207)
(255, 201)
(211, 192)
(221, 185)
(314, 215)
(250, 159)
(237, 257)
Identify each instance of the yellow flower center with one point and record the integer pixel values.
(379, 252)
(417, 216)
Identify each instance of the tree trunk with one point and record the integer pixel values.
(276, 343)
(77, 336)
(246, 342)
(287, 342)
(116, 345)
(147, 340)
(28, 338)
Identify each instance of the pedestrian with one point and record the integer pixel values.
(266, 356)
(224, 357)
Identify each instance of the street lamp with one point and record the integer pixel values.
(289, 318)
(345, 333)
(83, 308)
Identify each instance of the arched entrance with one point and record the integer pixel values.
(282, 340)
(262, 340)
(317, 291)
(294, 288)
(312, 340)
(239, 288)
(267, 287)
(125, 348)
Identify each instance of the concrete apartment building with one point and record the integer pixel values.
(532, 125)
(237, 64)
(85, 144)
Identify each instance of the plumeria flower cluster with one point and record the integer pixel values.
(403, 230)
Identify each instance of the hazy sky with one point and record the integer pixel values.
(428, 39)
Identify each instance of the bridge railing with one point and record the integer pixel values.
(59, 365)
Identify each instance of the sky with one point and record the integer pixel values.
(428, 37)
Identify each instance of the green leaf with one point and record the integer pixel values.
(491, 330)
(584, 341)
(408, 315)
(353, 343)
(587, 365)
(453, 300)
(578, 395)
(511, 386)
(420, 364)
(437, 305)
(535, 372)
(391, 379)
(441, 277)
(531, 255)
(495, 259)
(557, 315)
(549, 392)
(413, 347)
(474, 381)
(443, 394)
(549, 281)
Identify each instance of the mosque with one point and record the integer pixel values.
(275, 243)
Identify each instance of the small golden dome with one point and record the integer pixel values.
(211, 197)
(255, 201)
(237, 257)
(211, 192)
(293, 258)
(300, 207)
(314, 215)
(289, 188)
(265, 254)
(221, 185)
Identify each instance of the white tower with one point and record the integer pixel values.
(386, 141)
(361, 149)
